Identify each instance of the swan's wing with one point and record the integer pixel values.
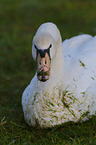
(72, 46)
(80, 49)
(80, 58)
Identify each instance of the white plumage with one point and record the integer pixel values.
(70, 92)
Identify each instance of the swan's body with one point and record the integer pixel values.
(70, 92)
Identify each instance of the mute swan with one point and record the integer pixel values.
(64, 86)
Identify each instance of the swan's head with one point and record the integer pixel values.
(44, 50)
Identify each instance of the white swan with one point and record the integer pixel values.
(64, 86)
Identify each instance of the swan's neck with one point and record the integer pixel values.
(57, 71)
(57, 64)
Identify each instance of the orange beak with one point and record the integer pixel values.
(43, 67)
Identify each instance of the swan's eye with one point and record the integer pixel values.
(45, 61)
(50, 46)
(40, 62)
(35, 47)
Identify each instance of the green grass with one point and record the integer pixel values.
(19, 20)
